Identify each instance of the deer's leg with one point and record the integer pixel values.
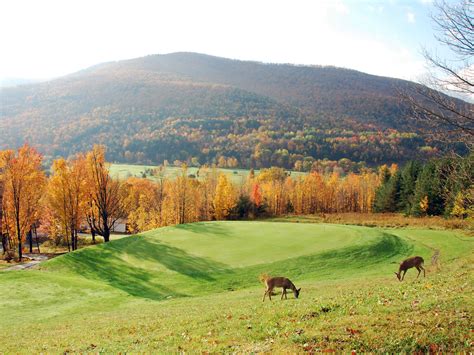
(419, 271)
(404, 272)
(282, 293)
(267, 291)
(270, 293)
(424, 273)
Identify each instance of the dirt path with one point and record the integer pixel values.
(35, 260)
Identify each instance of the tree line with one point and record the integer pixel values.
(79, 194)
(443, 186)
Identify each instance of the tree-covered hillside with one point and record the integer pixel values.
(204, 109)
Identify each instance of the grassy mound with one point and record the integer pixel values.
(170, 289)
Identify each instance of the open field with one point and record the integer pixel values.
(126, 170)
(195, 288)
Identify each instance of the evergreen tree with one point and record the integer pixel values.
(457, 177)
(428, 186)
(409, 175)
(387, 197)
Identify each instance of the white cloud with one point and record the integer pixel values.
(458, 87)
(426, 2)
(411, 17)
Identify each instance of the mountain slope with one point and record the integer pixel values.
(316, 89)
(184, 105)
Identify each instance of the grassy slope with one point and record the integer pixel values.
(169, 288)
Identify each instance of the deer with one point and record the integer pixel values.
(414, 261)
(283, 282)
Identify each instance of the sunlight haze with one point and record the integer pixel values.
(45, 39)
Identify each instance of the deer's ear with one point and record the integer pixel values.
(299, 289)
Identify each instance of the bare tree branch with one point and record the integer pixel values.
(449, 117)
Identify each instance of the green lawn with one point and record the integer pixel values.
(195, 288)
(123, 171)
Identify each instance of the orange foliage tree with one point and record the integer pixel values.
(24, 183)
(105, 206)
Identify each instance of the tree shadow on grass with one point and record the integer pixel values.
(176, 259)
(108, 263)
(339, 263)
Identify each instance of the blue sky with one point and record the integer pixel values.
(50, 38)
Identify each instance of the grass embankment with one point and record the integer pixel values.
(195, 287)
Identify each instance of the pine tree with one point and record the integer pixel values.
(428, 185)
(387, 197)
(409, 175)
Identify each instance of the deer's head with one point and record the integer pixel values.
(297, 292)
(398, 276)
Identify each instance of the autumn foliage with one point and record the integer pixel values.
(24, 182)
(81, 195)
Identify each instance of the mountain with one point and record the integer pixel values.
(186, 105)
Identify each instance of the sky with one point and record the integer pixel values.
(50, 38)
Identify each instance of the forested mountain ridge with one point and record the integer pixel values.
(314, 89)
(184, 105)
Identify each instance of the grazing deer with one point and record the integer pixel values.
(414, 261)
(435, 259)
(283, 282)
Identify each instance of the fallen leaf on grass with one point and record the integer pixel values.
(310, 315)
(352, 331)
(434, 348)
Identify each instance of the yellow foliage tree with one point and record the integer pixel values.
(142, 202)
(225, 198)
(67, 195)
(459, 209)
(424, 204)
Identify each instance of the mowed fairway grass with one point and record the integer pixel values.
(195, 288)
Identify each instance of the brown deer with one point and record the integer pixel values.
(283, 282)
(414, 261)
